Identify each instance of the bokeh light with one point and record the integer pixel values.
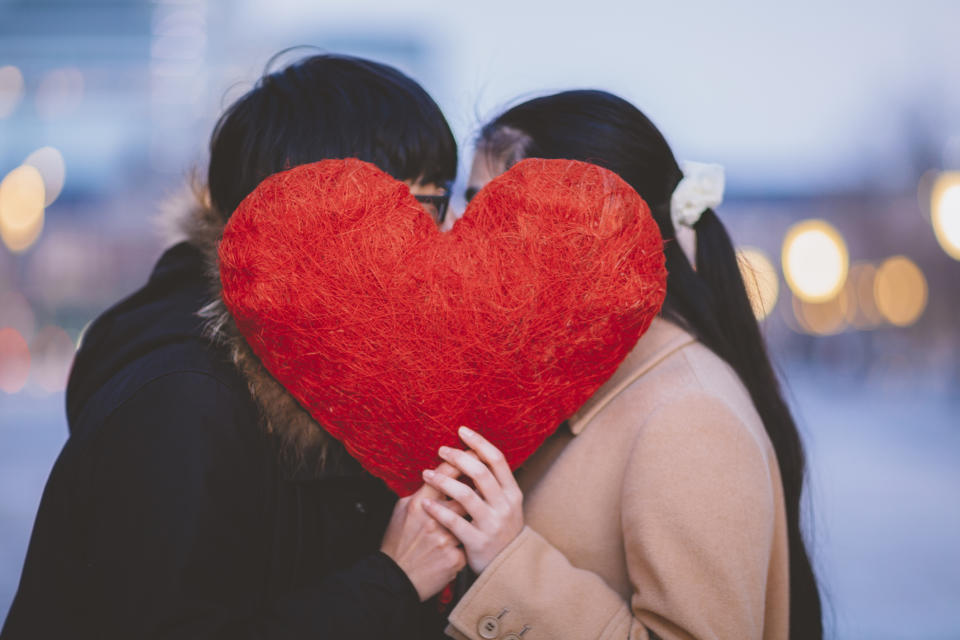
(822, 318)
(59, 93)
(49, 162)
(862, 312)
(900, 289)
(52, 354)
(945, 212)
(14, 360)
(760, 279)
(815, 260)
(11, 90)
(22, 196)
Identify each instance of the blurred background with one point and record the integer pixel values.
(838, 123)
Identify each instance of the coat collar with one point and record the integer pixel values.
(661, 339)
(307, 450)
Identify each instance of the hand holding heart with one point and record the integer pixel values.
(427, 552)
(495, 507)
(391, 333)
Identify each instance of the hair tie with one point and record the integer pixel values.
(700, 189)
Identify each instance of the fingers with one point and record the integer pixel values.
(494, 459)
(453, 505)
(473, 468)
(496, 518)
(460, 528)
(485, 465)
(437, 534)
(448, 470)
(456, 490)
(428, 492)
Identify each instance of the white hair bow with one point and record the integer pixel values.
(700, 189)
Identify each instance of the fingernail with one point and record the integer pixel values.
(427, 473)
(466, 432)
(443, 451)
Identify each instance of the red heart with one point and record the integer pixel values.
(392, 333)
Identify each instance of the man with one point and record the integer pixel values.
(194, 497)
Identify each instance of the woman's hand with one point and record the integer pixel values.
(496, 513)
(427, 552)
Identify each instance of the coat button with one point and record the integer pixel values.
(360, 507)
(511, 636)
(489, 627)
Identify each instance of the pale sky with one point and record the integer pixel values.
(791, 97)
(794, 96)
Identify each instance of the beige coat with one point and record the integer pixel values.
(660, 510)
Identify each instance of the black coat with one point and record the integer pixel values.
(168, 514)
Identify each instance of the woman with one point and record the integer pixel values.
(669, 505)
(194, 497)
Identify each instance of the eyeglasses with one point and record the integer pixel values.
(436, 206)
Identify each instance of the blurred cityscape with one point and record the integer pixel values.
(839, 127)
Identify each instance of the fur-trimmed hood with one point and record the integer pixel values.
(307, 447)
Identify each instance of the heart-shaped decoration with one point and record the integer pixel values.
(392, 333)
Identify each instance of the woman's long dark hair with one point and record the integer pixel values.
(710, 301)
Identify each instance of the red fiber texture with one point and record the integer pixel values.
(392, 333)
